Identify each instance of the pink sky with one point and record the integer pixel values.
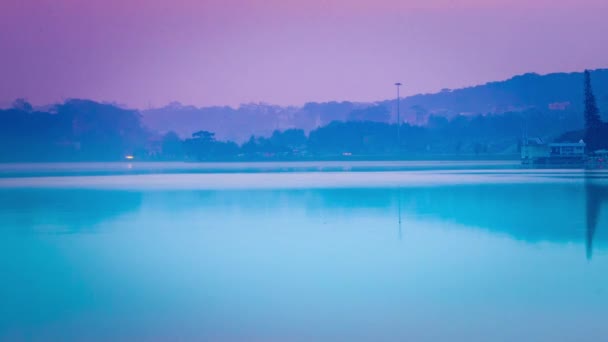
(227, 52)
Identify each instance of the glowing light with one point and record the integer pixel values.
(129, 157)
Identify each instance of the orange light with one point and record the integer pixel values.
(129, 157)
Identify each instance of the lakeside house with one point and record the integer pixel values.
(576, 150)
(532, 149)
(536, 151)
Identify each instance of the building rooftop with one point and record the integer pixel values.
(568, 144)
(534, 141)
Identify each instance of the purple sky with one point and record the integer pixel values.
(227, 52)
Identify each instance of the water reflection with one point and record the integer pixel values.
(63, 211)
(504, 262)
(528, 212)
(399, 215)
(596, 193)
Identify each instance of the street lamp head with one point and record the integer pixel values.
(397, 84)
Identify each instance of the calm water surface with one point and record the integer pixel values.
(375, 252)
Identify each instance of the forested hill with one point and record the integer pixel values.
(558, 91)
(560, 94)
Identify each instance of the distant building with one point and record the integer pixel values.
(536, 151)
(533, 149)
(572, 150)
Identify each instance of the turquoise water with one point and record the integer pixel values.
(424, 252)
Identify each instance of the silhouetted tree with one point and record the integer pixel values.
(23, 105)
(593, 123)
(101, 131)
(204, 136)
(203, 146)
(73, 130)
(172, 146)
(288, 141)
(249, 147)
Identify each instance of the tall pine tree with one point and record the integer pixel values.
(593, 123)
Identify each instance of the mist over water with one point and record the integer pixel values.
(507, 255)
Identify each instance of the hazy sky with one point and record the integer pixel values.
(227, 52)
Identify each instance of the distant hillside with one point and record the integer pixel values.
(552, 92)
(238, 124)
(559, 93)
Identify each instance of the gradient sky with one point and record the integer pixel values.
(226, 52)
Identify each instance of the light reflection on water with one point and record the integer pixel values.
(523, 259)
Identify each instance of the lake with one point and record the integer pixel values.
(417, 251)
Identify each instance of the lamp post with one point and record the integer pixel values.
(398, 84)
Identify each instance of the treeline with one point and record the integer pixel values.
(82, 130)
(461, 136)
(77, 130)
(542, 106)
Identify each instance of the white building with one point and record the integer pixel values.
(533, 148)
(536, 151)
(575, 150)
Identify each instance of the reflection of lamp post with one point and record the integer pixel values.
(398, 119)
(399, 204)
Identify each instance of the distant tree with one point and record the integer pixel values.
(593, 123)
(437, 122)
(356, 137)
(200, 146)
(571, 136)
(101, 131)
(204, 136)
(172, 146)
(203, 146)
(23, 105)
(249, 147)
(288, 141)
(377, 113)
(223, 150)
